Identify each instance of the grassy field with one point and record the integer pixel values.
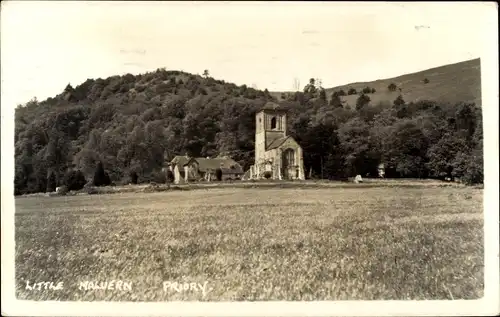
(365, 242)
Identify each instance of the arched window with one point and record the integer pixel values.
(273, 123)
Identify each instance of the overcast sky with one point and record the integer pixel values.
(46, 45)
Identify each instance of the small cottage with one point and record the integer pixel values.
(204, 169)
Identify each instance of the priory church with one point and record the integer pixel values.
(277, 155)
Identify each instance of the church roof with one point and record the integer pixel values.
(277, 143)
(180, 160)
(273, 106)
(227, 165)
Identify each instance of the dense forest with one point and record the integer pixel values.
(133, 124)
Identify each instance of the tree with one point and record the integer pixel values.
(267, 94)
(392, 87)
(442, 156)
(133, 177)
(405, 149)
(465, 120)
(218, 174)
(335, 102)
(356, 145)
(321, 150)
(399, 101)
(311, 87)
(373, 90)
(468, 166)
(362, 101)
(51, 182)
(69, 89)
(426, 81)
(74, 180)
(101, 178)
(352, 91)
(367, 90)
(206, 73)
(322, 94)
(296, 84)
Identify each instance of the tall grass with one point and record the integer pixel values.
(257, 244)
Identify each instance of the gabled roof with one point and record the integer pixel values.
(180, 160)
(273, 106)
(277, 143)
(227, 165)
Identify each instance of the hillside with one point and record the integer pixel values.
(134, 123)
(460, 82)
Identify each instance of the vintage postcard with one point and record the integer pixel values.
(249, 158)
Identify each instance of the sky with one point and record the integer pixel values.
(46, 45)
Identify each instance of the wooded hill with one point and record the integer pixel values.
(134, 123)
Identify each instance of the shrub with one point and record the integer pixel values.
(159, 177)
(170, 176)
(267, 174)
(426, 81)
(367, 90)
(74, 180)
(352, 91)
(392, 87)
(218, 174)
(373, 90)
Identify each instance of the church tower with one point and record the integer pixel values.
(270, 125)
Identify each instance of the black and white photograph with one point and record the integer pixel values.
(267, 156)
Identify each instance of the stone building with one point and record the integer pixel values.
(186, 169)
(276, 153)
(205, 169)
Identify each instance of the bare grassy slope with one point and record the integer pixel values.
(256, 244)
(460, 82)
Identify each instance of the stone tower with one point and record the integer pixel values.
(270, 125)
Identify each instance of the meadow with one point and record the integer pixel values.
(360, 242)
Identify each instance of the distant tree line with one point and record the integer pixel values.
(122, 129)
